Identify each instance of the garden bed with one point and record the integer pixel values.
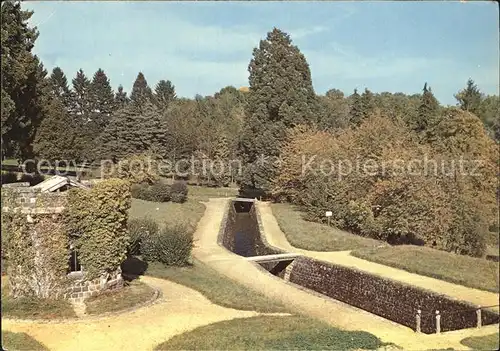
(134, 294)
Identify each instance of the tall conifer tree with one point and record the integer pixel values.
(281, 96)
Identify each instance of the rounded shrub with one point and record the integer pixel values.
(139, 228)
(179, 192)
(142, 192)
(161, 192)
(172, 245)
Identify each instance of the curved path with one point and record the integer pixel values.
(331, 311)
(179, 309)
(277, 238)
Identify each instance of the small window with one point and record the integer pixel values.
(74, 262)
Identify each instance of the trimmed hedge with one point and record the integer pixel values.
(179, 192)
(141, 192)
(161, 192)
(386, 298)
(158, 192)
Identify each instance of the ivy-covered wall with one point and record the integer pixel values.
(39, 228)
(36, 243)
(96, 222)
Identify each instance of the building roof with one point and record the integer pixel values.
(56, 182)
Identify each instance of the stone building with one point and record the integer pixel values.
(48, 200)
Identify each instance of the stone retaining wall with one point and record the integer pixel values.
(80, 289)
(387, 298)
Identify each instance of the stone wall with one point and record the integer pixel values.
(226, 233)
(234, 219)
(387, 298)
(79, 289)
(31, 201)
(28, 200)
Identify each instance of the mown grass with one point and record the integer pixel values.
(133, 294)
(316, 236)
(34, 308)
(203, 193)
(216, 287)
(20, 342)
(487, 342)
(271, 333)
(464, 270)
(172, 213)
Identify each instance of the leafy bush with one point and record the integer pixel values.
(158, 192)
(142, 192)
(6, 219)
(171, 246)
(97, 219)
(138, 228)
(179, 192)
(9, 177)
(161, 192)
(375, 187)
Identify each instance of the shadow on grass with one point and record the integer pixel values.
(132, 268)
(486, 342)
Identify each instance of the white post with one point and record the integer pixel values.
(438, 322)
(328, 214)
(419, 318)
(479, 320)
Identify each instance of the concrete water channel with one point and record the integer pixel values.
(421, 310)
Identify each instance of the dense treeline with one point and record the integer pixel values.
(269, 128)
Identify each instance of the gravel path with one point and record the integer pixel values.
(277, 238)
(331, 311)
(181, 309)
(178, 310)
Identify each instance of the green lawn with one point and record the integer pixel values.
(134, 294)
(20, 342)
(469, 271)
(216, 287)
(203, 193)
(189, 212)
(316, 236)
(271, 333)
(33, 308)
(487, 342)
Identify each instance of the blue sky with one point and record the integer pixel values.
(203, 46)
